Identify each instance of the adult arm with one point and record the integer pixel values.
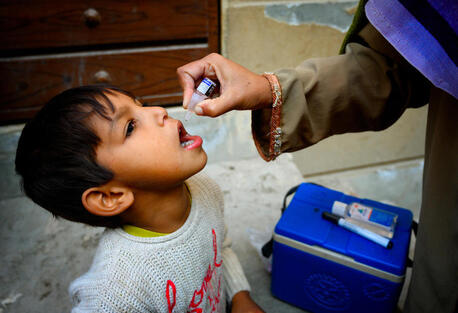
(367, 88)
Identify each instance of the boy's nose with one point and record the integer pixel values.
(160, 114)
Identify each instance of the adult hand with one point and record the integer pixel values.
(239, 88)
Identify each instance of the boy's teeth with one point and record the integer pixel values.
(187, 143)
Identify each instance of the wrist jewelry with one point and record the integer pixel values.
(275, 129)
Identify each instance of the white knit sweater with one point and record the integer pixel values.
(190, 270)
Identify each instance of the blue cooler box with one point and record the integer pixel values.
(322, 267)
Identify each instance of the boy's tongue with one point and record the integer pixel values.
(188, 141)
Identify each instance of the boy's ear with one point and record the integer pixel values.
(107, 200)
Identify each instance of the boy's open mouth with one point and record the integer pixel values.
(187, 141)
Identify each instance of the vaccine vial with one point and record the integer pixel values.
(376, 220)
(203, 91)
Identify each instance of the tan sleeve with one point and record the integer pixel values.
(367, 88)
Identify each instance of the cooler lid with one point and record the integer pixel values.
(302, 222)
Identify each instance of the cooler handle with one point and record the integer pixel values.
(409, 262)
(268, 246)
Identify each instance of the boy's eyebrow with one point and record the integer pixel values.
(119, 114)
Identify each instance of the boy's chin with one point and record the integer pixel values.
(202, 163)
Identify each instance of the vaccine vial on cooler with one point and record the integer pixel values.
(203, 91)
(376, 220)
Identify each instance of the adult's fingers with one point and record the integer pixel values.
(192, 73)
(188, 89)
(216, 106)
(187, 83)
(239, 88)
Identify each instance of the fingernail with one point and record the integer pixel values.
(198, 110)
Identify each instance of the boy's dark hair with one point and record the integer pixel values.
(56, 153)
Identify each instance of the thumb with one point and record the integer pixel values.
(216, 106)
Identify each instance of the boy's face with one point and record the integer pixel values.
(144, 147)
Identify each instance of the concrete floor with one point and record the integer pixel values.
(42, 255)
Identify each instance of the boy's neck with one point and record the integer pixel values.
(163, 212)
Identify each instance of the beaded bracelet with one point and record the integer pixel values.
(275, 129)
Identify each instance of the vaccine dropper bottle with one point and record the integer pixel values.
(203, 91)
(376, 220)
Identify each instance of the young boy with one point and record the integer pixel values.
(95, 155)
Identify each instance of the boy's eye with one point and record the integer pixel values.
(130, 128)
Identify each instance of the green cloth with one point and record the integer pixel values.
(359, 21)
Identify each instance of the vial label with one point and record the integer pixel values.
(206, 87)
(365, 213)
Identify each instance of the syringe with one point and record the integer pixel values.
(203, 91)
